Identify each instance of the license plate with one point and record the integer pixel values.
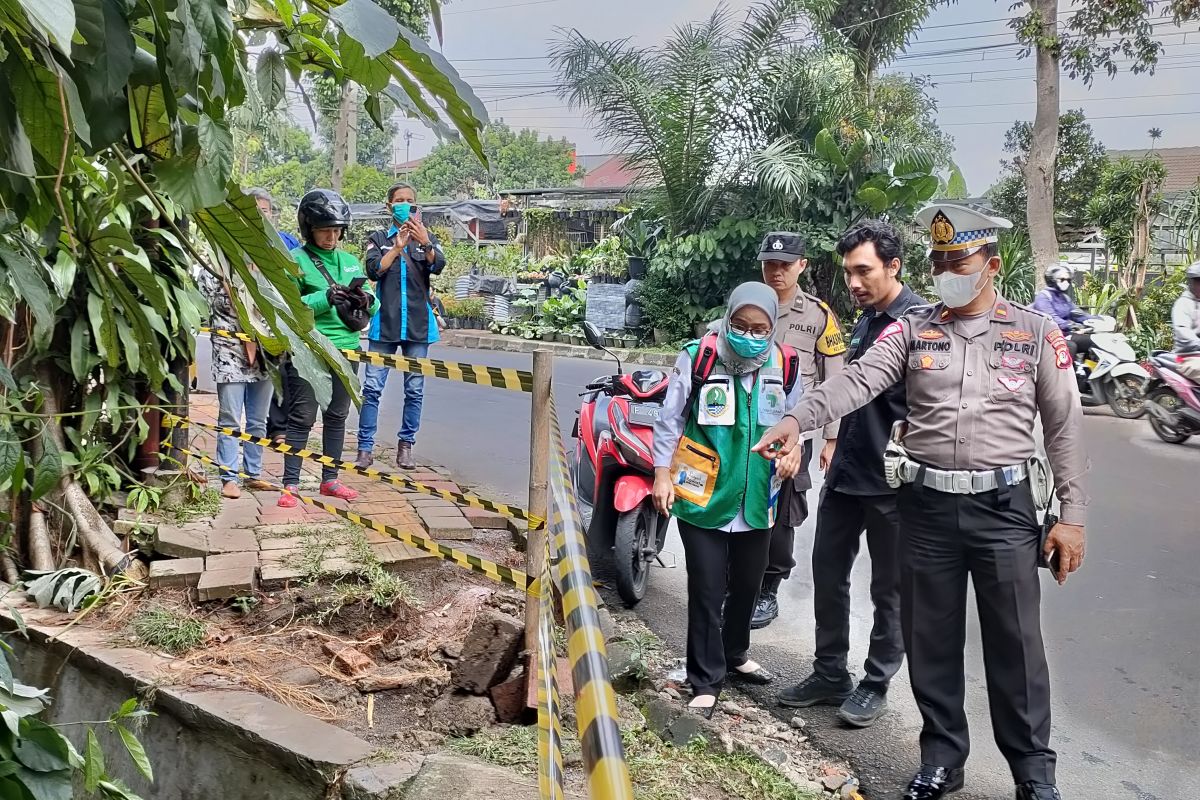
(644, 413)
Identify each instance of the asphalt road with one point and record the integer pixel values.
(1123, 636)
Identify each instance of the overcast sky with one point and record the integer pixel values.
(500, 46)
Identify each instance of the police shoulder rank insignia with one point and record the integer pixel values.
(941, 230)
(1062, 353)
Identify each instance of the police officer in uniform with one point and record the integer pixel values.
(811, 327)
(977, 370)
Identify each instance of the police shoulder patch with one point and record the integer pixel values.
(890, 330)
(1062, 353)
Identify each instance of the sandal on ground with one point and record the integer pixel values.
(341, 491)
(288, 499)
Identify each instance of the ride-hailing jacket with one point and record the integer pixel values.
(405, 312)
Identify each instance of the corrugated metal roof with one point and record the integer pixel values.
(1182, 163)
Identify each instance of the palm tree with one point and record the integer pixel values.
(1155, 135)
(728, 113)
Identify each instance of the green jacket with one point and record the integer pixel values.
(343, 268)
(742, 478)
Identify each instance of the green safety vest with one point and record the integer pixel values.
(743, 477)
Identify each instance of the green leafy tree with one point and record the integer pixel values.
(874, 31)
(1078, 169)
(1092, 36)
(116, 179)
(519, 159)
(1125, 203)
(730, 118)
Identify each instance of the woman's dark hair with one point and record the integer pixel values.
(885, 238)
(991, 250)
(397, 187)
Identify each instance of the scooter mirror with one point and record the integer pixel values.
(593, 335)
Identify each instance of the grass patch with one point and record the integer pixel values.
(363, 581)
(169, 630)
(205, 504)
(658, 770)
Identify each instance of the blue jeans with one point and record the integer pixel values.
(235, 400)
(373, 383)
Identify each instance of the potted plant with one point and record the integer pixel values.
(638, 237)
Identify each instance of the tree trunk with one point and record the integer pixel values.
(345, 135)
(1043, 149)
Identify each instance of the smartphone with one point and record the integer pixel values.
(357, 283)
(1051, 563)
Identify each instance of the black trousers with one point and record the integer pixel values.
(793, 510)
(302, 414)
(841, 519)
(721, 568)
(277, 414)
(993, 539)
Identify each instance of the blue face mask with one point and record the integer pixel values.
(746, 347)
(401, 212)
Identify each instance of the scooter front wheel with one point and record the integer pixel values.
(633, 551)
(1171, 404)
(1126, 396)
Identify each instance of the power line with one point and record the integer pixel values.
(1112, 116)
(498, 8)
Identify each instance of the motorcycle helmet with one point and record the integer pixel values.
(1193, 271)
(322, 208)
(1058, 277)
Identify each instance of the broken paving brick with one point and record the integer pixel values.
(489, 652)
(448, 528)
(176, 573)
(233, 560)
(231, 540)
(182, 541)
(225, 584)
(349, 660)
(485, 520)
(275, 575)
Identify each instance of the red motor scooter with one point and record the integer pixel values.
(613, 472)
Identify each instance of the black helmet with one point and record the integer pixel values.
(322, 208)
(1055, 273)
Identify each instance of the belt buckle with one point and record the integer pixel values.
(962, 483)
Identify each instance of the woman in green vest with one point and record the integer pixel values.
(722, 494)
(333, 284)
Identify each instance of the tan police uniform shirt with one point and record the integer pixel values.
(812, 328)
(973, 393)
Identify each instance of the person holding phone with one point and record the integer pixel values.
(331, 283)
(402, 261)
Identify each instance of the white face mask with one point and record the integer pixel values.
(1064, 284)
(957, 291)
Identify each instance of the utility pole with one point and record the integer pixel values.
(345, 135)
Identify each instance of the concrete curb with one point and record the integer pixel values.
(482, 340)
(217, 742)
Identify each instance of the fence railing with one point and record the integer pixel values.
(557, 570)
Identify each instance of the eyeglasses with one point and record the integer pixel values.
(753, 333)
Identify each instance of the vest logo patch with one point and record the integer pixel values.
(715, 400)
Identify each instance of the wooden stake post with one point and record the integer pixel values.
(539, 470)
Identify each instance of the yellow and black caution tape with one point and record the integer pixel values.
(463, 498)
(595, 702)
(517, 380)
(550, 737)
(497, 572)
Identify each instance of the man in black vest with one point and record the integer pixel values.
(856, 497)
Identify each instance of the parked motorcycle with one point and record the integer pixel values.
(1172, 401)
(1109, 371)
(613, 472)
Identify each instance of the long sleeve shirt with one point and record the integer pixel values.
(857, 466)
(973, 393)
(1185, 323)
(405, 313)
(1059, 307)
(672, 420)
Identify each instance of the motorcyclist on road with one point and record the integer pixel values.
(1185, 324)
(1055, 301)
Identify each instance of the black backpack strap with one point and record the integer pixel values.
(316, 260)
(791, 367)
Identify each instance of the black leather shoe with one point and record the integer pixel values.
(1031, 790)
(815, 690)
(760, 676)
(766, 609)
(931, 782)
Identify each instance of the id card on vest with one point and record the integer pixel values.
(694, 472)
(717, 406)
(771, 400)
